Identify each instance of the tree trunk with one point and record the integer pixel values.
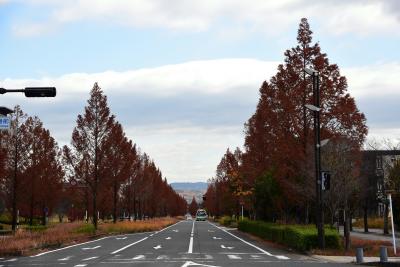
(385, 219)
(347, 231)
(134, 205)
(366, 218)
(115, 202)
(95, 209)
(15, 186)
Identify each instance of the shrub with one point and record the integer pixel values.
(225, 220)
(372, 223)
(300, 237)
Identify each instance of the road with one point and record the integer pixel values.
(186, 243)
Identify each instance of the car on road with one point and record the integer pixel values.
(201, 215)
(189, 217)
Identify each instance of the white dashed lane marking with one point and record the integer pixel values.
(65, 259)
(222, 246)
(157, 247)
(11, 260)
(139, 257)
(282, 257)
(121, 238)
(234, 257)
(216, 238)
(96, 247)
(80, 265)
(91, 258)
(168, 238)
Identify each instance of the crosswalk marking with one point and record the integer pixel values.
(138, 257)
(234, 257)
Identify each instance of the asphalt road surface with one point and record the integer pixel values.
(186, 243)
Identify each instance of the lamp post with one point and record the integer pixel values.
(317, 137)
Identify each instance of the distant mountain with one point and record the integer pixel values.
(190, 190)
(199, 186)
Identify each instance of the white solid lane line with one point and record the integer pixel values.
(190, 249)
(248, 243)
(127, 246)
(43, 253)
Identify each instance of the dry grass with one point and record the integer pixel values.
(26, 242)
(138, 226)
(371, 248)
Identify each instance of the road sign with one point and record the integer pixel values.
(325, 180)
(4, 123)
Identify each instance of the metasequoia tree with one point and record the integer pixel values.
(279, 143)
(89, 142)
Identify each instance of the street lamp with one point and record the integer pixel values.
(32, 91)
(318, 189)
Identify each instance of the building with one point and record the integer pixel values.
(375, 168)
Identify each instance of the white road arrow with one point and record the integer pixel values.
(217, 238)
(91, 248)
(157, 247)
(222, 246)
(191, 263)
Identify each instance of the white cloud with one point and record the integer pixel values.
(205, 77)
(360, 17)
(381, 79)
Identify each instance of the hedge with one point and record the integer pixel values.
(299, 237)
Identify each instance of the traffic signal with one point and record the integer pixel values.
(40, 91)
(325, 181)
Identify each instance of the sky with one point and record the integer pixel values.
(182, 76)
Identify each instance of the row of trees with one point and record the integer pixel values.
(274, 177)
(101, 173)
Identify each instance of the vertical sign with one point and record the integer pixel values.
(4, 123)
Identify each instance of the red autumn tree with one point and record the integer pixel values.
(193, 206)
(89, 142)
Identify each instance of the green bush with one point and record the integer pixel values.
(300, 237)
(225, 220)
(5, 218)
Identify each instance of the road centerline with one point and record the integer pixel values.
(190, 249)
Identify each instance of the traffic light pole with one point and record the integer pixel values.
(320, 211)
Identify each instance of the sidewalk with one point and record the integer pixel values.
(350, 259)
(373, 234)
